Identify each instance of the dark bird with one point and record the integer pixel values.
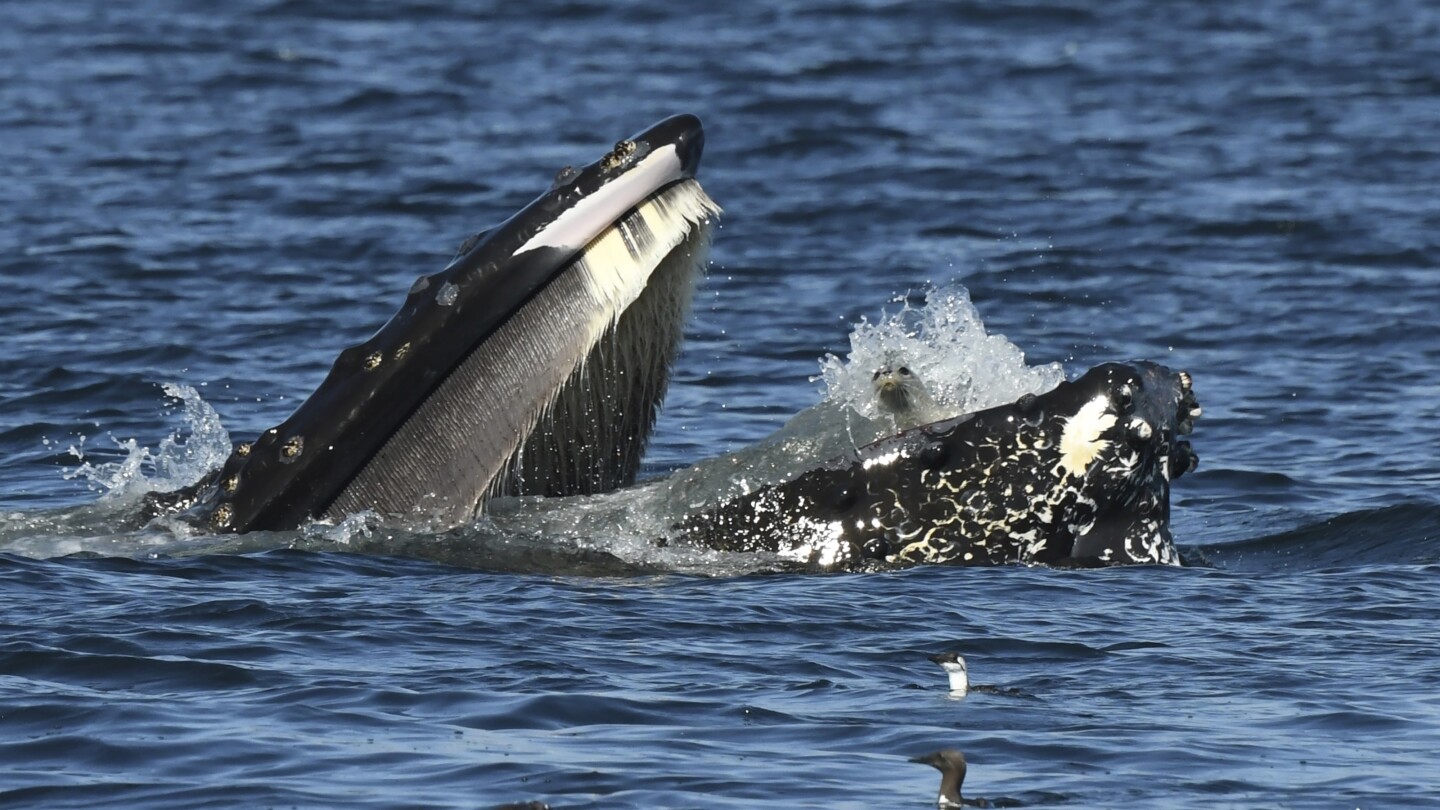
(951, 764)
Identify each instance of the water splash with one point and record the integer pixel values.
(181, 458)
(945, 343)
(349, 530)
(943, 340)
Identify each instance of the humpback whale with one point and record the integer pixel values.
(1079, 475)
(536, 361)
(533, 364)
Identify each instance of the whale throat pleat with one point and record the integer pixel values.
(574, 377)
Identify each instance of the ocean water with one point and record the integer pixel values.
(203, 204)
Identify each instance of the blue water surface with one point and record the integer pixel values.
(225, 196)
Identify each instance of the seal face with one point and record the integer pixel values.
(901, 394)
(1068, 477)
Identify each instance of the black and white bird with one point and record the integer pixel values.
(954, 666)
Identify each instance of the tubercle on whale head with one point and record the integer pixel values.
(684, 132)
(1153, 406)
(1145, 391)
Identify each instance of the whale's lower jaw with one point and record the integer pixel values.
(591, 437)
(1077, 476)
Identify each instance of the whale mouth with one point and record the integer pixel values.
(496, 373)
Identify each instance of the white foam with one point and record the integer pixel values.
(945, 343)
(199, 446)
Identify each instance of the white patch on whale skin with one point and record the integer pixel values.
(1080, 442)
(589, 217)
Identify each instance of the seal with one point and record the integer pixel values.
(952, 767)
(902, 395)
(1079, 475)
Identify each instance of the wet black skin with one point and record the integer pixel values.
(984, 488)
(292, 472)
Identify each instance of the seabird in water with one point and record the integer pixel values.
(954, 666)
(951, 764)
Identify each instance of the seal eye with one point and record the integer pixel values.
(904, 371)
(876, 375)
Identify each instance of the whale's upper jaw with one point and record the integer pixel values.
(297, 470)
(1079, 475)
(583, 203)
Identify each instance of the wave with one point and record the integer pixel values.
(1401, 534)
